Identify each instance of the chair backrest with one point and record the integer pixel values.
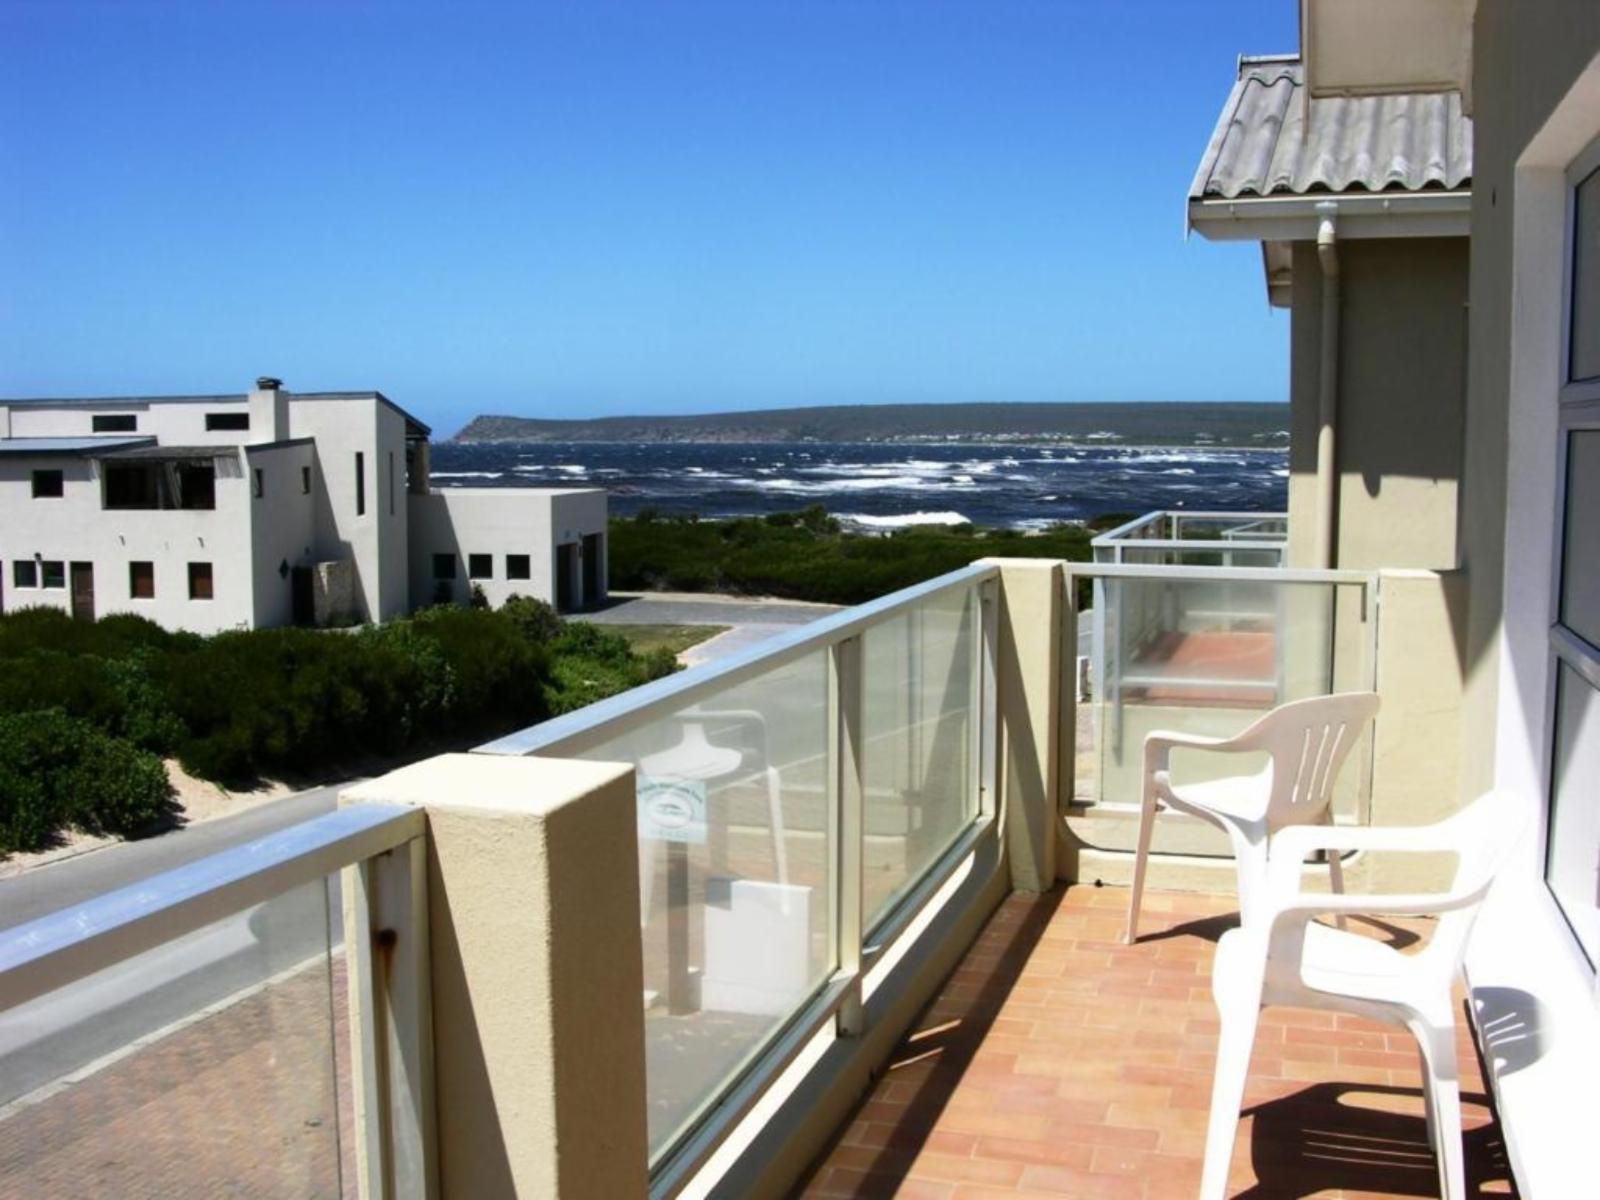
(1309, 741)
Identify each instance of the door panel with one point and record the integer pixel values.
(83, 591)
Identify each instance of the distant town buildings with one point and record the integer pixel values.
(268, 508)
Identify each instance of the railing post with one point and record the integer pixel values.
(387, 962)
(536, 973)
(847, 824)
(1029, 699)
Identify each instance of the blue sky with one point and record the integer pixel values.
(601, 207)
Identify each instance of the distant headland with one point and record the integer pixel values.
(1163, 424)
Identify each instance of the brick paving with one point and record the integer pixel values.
(1058, 1062)
(242, 1104)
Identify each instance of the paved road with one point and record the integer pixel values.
(749, 621)
(59, 1034)
(74, 880)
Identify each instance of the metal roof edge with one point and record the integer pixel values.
(1433, 213)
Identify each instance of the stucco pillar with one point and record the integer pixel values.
(537, 980)
(1029, 693)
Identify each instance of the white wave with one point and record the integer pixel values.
(465, 474)
(903, 483)
(571, 468)
(1281, 472)
(904, 520)
(1178, 471)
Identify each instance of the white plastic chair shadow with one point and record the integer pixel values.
(1283, 957)
(1307, 742)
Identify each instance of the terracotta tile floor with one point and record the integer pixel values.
(1058, 1062)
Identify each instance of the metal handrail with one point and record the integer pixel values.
(63, 947)
(595, 723)
(1120, 533)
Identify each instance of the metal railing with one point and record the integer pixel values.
(1174, 537)
(1208, 648)
(832, 779)
(379, 850)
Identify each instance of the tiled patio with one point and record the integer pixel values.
(1058, 1062)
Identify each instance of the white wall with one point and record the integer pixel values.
(282, 526)
(498, 522)
(342, 429)
(172, 422)
(74, 528)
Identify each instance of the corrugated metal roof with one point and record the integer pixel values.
(69, 445)
(1274, 140)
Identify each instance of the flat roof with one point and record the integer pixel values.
(114, 402)
(78, 446)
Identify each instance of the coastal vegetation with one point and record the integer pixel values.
(88, 710)
(808, 556)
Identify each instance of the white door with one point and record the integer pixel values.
(1572, 862)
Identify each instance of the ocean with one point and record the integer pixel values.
(878, 486)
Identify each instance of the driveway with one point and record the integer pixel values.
(750, 620)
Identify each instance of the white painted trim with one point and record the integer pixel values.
(1361, 215)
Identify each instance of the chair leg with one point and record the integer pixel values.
(1227, 1094)
(1147, 819)
(1442, 1091)
(1336, 882)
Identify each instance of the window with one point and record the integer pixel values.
(261, 486)
(1572, 865)
(146, 484)
(444, 566)
(25, 573)
(480, 566)
(142, 580)
(227, 420)
(518, 566)
(55, 573)
(305, 481)
(361, 483)
(200, 581)
(47, 483)
(114, 422)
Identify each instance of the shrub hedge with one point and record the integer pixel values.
(87, 709)
(59, 772)
(805, 556)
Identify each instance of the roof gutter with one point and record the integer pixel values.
(1361, 215)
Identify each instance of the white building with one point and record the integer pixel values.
(268, 508)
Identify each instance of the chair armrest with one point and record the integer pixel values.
(1159, 745)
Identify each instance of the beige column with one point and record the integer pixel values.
(1029, 679)
(537, 980)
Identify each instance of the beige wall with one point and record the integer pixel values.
(1529, 53)
(1402, 352)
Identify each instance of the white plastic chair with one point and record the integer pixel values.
(1285, 958)
(1307, 742)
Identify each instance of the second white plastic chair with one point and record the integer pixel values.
(1306, 742)
(1282, 957)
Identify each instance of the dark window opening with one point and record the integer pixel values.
(114, 423)
(361, 483)
(480, 566)
(191, 485)
(25, 573)
(261, 484)
(305, 481)
(55, 574)
(142, 580)
(519, 566)
(444, 566)
(200, 581)
(227, 420)
(48, 483)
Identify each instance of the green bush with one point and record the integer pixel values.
(58, 772)
(589, 663)
(539, 622)
(804, 556)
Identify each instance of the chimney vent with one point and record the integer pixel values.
(267, 383)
